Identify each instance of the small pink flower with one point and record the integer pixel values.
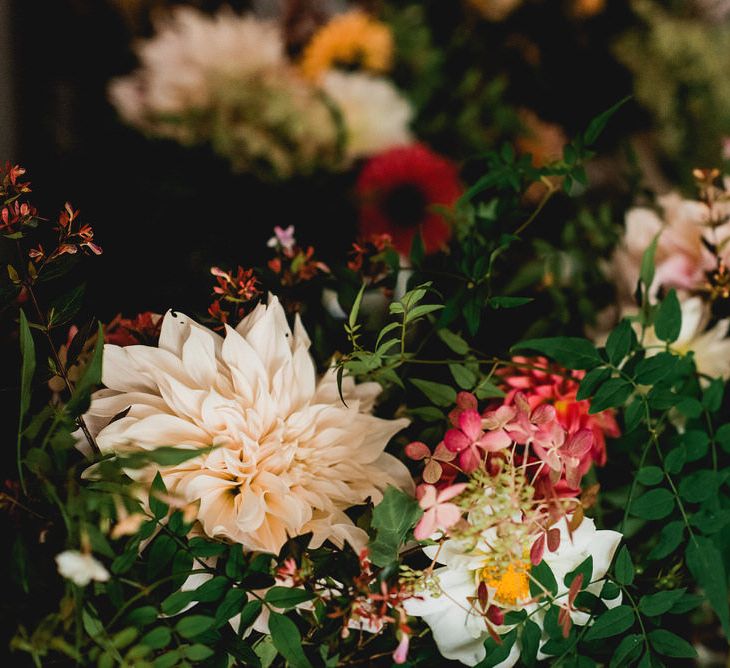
(283, 237)
(401, 652)
(439, 514)
(464, 401)
(470, 441)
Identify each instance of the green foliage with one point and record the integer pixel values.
(393, 518)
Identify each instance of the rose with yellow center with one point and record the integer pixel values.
(511, 584)
(352, 39)
(451, 606)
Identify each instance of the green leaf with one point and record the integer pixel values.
(543, 575)
(418, 252)
(198, 652)
(531, 636)
(611, 623)
(354, 312)
(27, 370)
(628, 650)
(393, 518)
(465, 378)
(612, 394)
(157, 638)
(159, 508)
(488, 390)
(653, 605)
(668, 319)
(508, 302)
(453, 341)
(656, 504)
(698, 486)
(287, 640)
(648, 263)
(624, 567)
(597, 124)
(81, 397)
(437, 393)
(193, 625)
(65, 307)
(706, 565)
(620, 342)
(669, 539)
(233, 602)
(287, 597)
(591, 381)
(653, 369)
(650, 475)
(585, 568)
(713, 394)
(572, 352)
(496, 654)
(667, 643)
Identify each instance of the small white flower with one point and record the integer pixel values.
(711, 347)
(459, 629)
(376, 116)
(80, 568)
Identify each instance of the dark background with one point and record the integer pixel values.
(162, 213)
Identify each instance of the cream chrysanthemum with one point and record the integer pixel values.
(289, 456)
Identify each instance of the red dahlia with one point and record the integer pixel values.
(399, 191)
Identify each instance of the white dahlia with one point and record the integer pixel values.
(289, 456)
(376, 116)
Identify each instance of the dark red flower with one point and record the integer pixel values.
(400, 192)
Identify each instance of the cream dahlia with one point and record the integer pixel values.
(288, 456)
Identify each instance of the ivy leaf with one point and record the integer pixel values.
(287, 640)
(667, 643)
(570, 351)
(706, 565)
(668, 319)
(611, 623)
(393, 518)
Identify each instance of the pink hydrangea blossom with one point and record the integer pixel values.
(439, 513)
(471, 442)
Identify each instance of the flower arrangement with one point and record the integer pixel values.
(226, 80)
(371, 461)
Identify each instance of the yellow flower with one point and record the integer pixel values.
(352, 38)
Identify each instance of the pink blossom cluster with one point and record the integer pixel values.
(540, 425)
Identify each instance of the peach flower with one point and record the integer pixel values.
(287, 458)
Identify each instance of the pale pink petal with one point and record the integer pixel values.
(426, 525)
(426, 495)
(469, 460)
(450, 492)
(494, 441)
(447, 515)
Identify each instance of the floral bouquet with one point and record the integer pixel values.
(374, 463)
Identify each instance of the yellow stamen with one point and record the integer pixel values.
(511, 584)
